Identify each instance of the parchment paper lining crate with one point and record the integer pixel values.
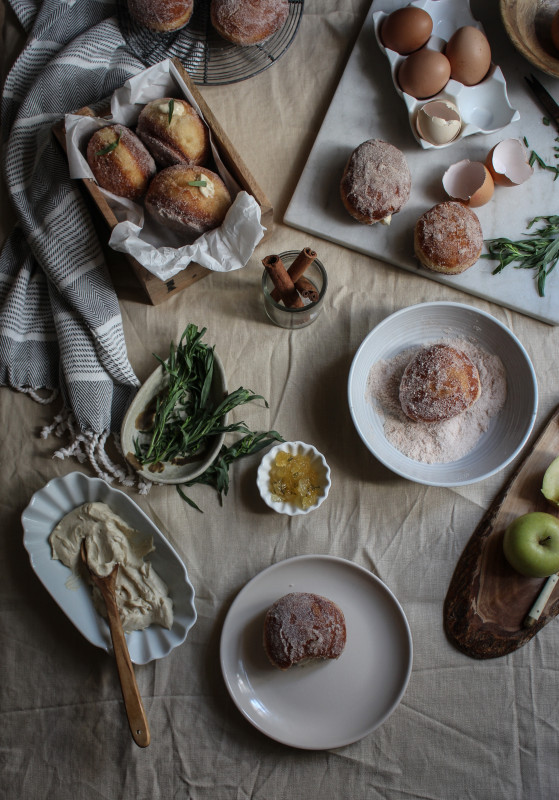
(156, 289)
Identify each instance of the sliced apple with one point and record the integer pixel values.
(550, 483)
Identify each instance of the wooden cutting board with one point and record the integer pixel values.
(487, 601)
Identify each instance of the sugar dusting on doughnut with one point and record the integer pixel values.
(161, 15)
(173, 132)
(301, 626)
(126, 167)
(246, 22)
(448, 238)
(190, 200)
(439, 383)
(437, 442)
(376, 182)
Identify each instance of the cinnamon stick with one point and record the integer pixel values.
(307, 289)
(279, 276)
(296, 270)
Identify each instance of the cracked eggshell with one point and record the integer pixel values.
(508, 163)
(469, 182)
(438, 122)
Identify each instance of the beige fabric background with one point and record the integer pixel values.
(465, 729)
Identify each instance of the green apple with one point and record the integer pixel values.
(531, 544)
(550, 484)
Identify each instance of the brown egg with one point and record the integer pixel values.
(424, 73)
(469, 54)
(406, 29)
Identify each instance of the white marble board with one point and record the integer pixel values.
(366, 105)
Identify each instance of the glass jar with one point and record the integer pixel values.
(300, 317)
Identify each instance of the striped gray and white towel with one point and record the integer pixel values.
(60, 323)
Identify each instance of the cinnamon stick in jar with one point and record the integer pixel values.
(297, 268)
(283, 283)
(307, 289)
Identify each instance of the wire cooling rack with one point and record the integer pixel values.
(208, 59)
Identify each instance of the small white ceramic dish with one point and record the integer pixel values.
(172, 473)
(46, 509)
(423, 324)
(318, 462)
(323, 704)
(484, 108)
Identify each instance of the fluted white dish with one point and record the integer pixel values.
(318, 463)
(47, 507)
(423, 324)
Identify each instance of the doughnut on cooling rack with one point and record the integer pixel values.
(209, 59)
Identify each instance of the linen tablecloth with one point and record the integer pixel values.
(464, 729)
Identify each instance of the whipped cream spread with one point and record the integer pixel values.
(142, 597)
(178, 109)
(208, 189)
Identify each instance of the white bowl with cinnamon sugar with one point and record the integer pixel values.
(475, 443)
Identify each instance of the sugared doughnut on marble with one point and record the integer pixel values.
(448, 238)
(376, 182)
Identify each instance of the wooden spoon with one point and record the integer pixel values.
(130, 693)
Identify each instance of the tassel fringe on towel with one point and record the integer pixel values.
(90, 447)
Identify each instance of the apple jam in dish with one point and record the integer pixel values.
(294, 480)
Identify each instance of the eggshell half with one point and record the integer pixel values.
(508, 163)
(469, 182)
(438, 122)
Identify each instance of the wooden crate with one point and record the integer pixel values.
(156, 290)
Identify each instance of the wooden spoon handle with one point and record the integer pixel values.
(130, 693)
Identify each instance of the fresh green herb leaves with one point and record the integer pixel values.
(186, 416)
(539, 250)
(537, 159)
(171, 109)
(109, 148)
(217, 474)
(197, 183)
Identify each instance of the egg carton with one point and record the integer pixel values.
(483, 108)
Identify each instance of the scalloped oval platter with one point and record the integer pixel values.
(46, 509)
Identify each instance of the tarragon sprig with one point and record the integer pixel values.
(217, 474)
(109, 148)
(539, 250)
(186, 416)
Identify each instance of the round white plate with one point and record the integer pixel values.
(325, 704)
(46, 509)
